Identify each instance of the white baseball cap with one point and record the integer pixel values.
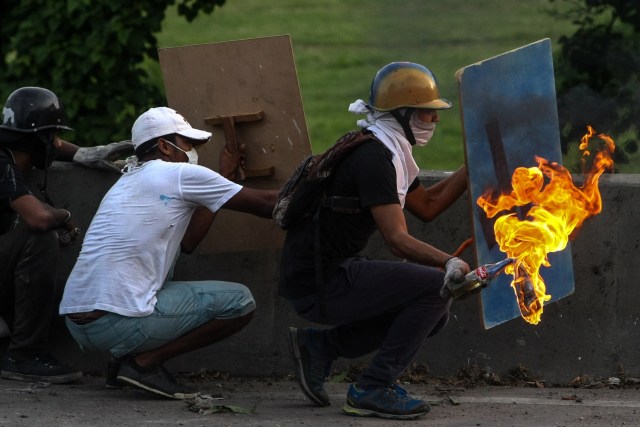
(160, 121)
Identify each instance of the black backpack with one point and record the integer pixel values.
(303, 194)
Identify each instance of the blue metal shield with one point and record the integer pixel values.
(509, 115)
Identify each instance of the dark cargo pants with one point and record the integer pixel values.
(28, 262)
(387, 306)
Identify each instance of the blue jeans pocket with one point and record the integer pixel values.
(111, 333)
(129, 342)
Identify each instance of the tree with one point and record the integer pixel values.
(598, 71)
(92, 54)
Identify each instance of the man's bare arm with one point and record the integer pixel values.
(393, 226)
(37, 215)
(427, 203)
(198, 227)
(253, 201)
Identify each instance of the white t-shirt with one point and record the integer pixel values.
(135, 235)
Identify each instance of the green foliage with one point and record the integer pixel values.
(598, 71)
(91, 54)
(339, 45)
(100, 57)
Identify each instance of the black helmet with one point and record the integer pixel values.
(33, 109)
(31, 118)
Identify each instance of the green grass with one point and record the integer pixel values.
(340, 44)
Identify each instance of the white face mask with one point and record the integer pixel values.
(192, 155)
(422, 131)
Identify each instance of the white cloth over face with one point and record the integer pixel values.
(422, 131)
(387, 129)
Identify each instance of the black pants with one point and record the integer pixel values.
(28, 262)
(387, 306)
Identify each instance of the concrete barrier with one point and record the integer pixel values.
(595, 331)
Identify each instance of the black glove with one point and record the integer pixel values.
(67, 234)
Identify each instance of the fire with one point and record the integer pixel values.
(539, 215)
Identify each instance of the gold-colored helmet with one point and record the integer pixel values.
(405, 84)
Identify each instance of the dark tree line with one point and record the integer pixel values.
(598, 71)
(96, 54)
(92, 54)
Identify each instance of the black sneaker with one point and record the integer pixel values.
(385, 402)
(38, 368)
(112, 381)
(155, 380)
(311, 368)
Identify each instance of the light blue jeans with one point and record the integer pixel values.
(180, 308)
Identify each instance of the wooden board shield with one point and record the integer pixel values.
(255, 79)
(509, 115)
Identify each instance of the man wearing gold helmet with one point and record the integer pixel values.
(386, 306)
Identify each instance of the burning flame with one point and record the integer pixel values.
(555, 211)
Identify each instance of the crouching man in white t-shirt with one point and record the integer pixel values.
(119, 298)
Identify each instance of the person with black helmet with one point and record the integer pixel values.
(32, 118)
(30, 234)
(385, 306)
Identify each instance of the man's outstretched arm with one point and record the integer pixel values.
(427, 203)
(98, 157)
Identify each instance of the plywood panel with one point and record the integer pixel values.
(238, 78)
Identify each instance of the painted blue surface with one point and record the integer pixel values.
(509, 101)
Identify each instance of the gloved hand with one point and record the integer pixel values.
(104, 156)
(455, 270)
(67, 234)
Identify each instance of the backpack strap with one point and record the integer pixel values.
(346, 204)
(339, 151)
(342, 204)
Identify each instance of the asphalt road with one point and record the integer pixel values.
(280, 403)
